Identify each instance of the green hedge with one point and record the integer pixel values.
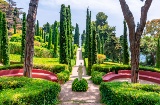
(115, 68)
(123, 93)
(15, 48)
(63, 76)
(96, 77)
(80, 85)
(55, 69)
(28, 91)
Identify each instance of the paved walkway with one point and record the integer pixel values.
(68, 97)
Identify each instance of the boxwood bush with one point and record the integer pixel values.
(80, 85)
(96, 77)
(28, 91)
(124, 93)
(63, 76)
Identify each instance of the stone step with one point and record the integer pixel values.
(74, 102)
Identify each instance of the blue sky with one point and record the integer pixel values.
(48, 11)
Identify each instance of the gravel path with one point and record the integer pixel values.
(68, 97)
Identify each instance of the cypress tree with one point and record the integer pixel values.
(98, 44)
(87, 34)
(50, 39)
(44, 37)
(69, 35)
(5, 45)
(89, 45)
(37, 27)
(158, 54)
(94, 47)
(1, 36)
(76, 36)
(23, 41)
(56, 34)
(83, 38)
(14, 26)
(42, 34)
(102, 46)
(125, 46)
(63, 36)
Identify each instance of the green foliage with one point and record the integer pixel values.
(94, 48)
(37, 29)
(76, 36)
(38, 38)
(16, 38)
(158, 54)
(23, 91)
(15, 48)
(1, 36)
(119, 93)
(15, 66)
(23, 41)
(56, 37)
(100, 58)
(50, 39)
(5, 41)
(80, 85)
(83, 37)
(63, 76)
(63, 36)
(125, 46)
(97, 77)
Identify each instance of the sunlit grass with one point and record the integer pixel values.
(39, 61)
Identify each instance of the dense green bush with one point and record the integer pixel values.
(28, 91)
(101, 68)
(38, 38)
(16, 38)
(118, 93)
(63, 76)
(80, 85)
(55, 69)
(15, 48)
(97, 77)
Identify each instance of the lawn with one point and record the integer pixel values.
(38, 61)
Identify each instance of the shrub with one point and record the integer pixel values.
(100, 58)
(63, 76)
(101, 68)
(16, 38)
(118, 93)
(80, 85)
(55, 69)
(28, 91)
(97, 77)
(15, 48)
(38, 38)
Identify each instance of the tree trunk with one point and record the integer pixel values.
(135, 35)
(29, 49)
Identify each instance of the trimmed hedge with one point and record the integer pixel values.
(80, 85)
(115, 68)
(55, 69)
(28, 91)
(124, 93)
(63, 76)
(97, 77)
(15, 48)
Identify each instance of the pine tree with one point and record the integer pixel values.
(76, 36)
(125, 46)
(5, 45)
(158, 54)
(23, 41)
(50, 39)
(89, 45)
(56, 34)
(1, 36)
(63, 36)
(94, 47)
(37, 29)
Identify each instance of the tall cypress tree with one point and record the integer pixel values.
(83, 36)
(14, 26)
(125, 46)
(23, 41)
(98, 44)
(63, 36)
(158, 54)
(89, 45)
(94, 47)
(1, 36)
(50, 39)
(76, 36)
(37, 29)
(102, 46)
(56, 34)
(42, 33)
(87, 34)
(5, 45)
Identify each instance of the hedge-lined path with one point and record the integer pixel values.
(68, 97)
